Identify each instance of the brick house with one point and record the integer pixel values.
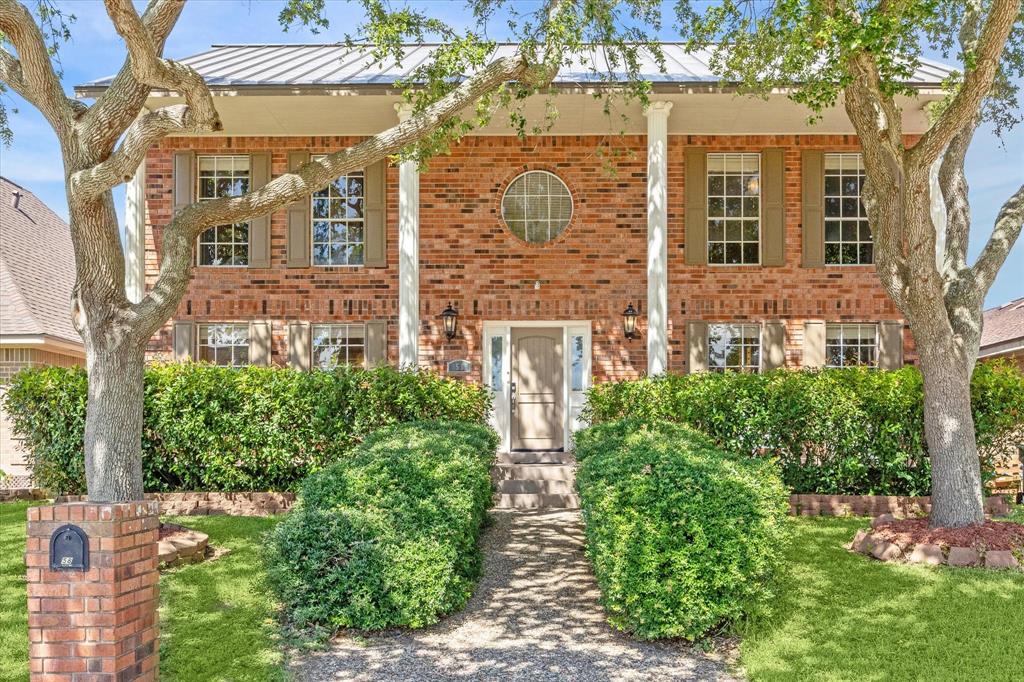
(729, 225)
(35, 304)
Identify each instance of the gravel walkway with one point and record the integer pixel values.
(534, 616)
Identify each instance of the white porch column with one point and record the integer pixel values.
(657, 236)
(408, 256)
(135, 235)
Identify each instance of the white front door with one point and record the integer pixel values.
(549, 415)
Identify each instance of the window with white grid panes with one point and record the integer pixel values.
(338, 221)
(734, 209)
(224, 344)
(847, 233)
(223, 176)
(734, 347)
(851, 345)
(338, 344)
(537, 206)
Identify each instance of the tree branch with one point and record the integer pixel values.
(154, 71)
(119, 104)
(977, 83)
(41, 86)
(181, 233)
(1004, 233)
(140, 136)
(953, 184)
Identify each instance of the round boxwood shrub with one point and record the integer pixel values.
(388, 536)
(683, 538)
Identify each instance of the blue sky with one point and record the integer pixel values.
(994, 169)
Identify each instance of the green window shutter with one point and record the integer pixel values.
(773, 214)
(299, 346)
(814, 344)
(376, 343)
(812, 183)
(773, 345)
(259, 228)
(890, 345)
(259, 343)
(299, 226)
(375, 216)
(184, 341)
(184, 179)
(696, 213)
(697, 346)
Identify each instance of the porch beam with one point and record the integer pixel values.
(657, 236)
(408, 255)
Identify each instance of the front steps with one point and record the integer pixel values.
(535, 480)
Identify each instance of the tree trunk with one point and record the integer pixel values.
(949, 431)
(113, 424)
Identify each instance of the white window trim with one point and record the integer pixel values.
(824, 222)
(760, 213)
(198, 340)
(313, 364)
(572, 206)
(312, 219)
(198, 259)
(760, 345)
(853, 324)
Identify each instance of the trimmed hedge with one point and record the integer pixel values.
(835, 431)
(224, 430)
(387, 537)
(683, 538)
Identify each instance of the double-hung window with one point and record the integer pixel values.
(734, 209)
(851, 345)
(734, 347)
(847, 233)
(223, 176)
(339, 221)
(338, 344)
(224, 344)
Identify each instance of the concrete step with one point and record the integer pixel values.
(533, 472)
(536, 501)
(534, 458)
(534, 487)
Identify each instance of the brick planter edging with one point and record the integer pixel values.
(210, 504)
(21, 494)
(876, 505)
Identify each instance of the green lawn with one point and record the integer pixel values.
(216, 618)
(845, 617)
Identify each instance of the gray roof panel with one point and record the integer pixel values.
(240, 66)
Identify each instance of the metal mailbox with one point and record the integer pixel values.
(69, 549)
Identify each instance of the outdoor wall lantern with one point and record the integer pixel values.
(450, 318)
(629, 316)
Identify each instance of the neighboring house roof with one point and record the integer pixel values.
(299, 65)
(37, 268)
(1003, 329)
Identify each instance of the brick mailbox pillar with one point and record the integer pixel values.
(97, 624)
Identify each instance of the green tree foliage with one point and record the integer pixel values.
(387, 537)
(836, 431)
(683, 538)
(221, 429)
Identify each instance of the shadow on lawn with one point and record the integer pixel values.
(217, 617)
(843, 616)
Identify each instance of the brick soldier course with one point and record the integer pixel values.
(99, 625)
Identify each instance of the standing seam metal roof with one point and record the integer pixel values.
(337, 64)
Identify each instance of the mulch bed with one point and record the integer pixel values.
(168, 529)
(993, 535)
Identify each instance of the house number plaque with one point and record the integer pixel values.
(69, 549)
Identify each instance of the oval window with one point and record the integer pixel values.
(536, 206)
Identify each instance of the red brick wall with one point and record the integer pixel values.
(468, 257)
